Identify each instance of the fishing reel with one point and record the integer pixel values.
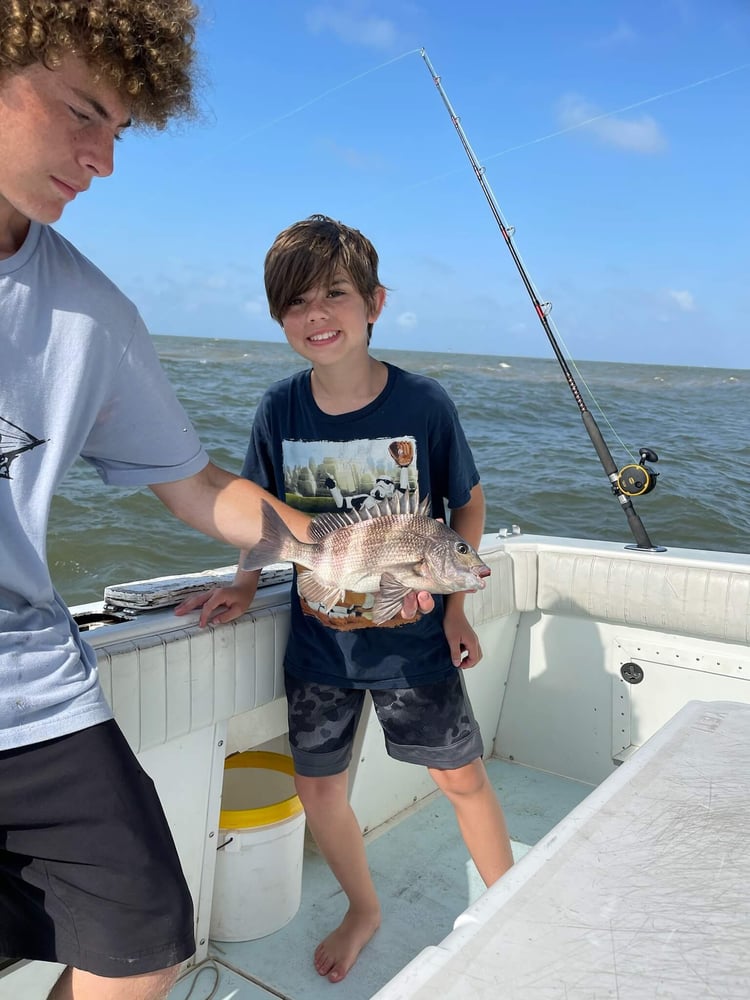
(637, 480)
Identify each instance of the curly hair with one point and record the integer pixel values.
(311, 251)
(142, 48)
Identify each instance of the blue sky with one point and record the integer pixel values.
(615, 135)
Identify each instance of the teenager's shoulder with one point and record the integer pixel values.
(66, 255)
(76, 277)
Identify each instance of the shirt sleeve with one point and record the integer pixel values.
(258, 465)
(453, 470)
(142, 433)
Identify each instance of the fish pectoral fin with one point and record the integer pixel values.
(388, 599)
(316, 592)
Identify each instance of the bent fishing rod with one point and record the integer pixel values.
(632, 480)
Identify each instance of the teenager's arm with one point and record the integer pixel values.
(225, 506)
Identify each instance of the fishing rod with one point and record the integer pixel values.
(632, 480)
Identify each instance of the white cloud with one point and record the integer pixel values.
(685, 300)
(352, 25)
(641, 135)
(407, 320)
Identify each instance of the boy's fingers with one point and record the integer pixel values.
(417, 601)
(425, 601)
(471, 654)
(409, 607)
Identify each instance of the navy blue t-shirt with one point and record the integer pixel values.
(318, 462)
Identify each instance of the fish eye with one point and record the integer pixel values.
(462, 548)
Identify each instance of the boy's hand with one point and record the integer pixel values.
(219, 606)
(417, 601)
(463, 641)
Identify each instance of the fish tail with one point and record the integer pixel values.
(277, 543)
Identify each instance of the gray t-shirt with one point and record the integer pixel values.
(79, 377)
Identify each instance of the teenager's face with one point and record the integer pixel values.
(328, 321)
(57, 132)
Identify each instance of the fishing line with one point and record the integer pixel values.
(626, 448)
(618, 111)
(632, 480)
(314, 100)
(588, 121)
(581, 378)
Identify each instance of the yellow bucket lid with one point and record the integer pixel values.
(237, 819)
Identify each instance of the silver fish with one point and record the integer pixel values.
(387, 551)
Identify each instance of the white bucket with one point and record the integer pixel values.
(258, 879)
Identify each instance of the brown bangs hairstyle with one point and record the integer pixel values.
(310, 253)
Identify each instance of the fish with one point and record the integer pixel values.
(387, 550)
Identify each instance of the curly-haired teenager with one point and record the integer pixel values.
(89, 876)
(355, 422)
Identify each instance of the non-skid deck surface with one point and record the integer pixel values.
(424, 879)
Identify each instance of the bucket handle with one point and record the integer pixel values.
(227, 841)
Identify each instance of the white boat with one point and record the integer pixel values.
(614, 703)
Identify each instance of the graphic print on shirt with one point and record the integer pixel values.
(14, 441)
(331, 476)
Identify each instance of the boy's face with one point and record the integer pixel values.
(328, 322)
(57, 132)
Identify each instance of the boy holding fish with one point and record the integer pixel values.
(357, 422)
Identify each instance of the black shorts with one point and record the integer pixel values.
(431, 725)
(89, 874)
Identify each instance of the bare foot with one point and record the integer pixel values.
(337, 953)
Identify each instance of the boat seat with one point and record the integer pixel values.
(661, 591)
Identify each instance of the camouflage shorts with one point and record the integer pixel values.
(432, 725)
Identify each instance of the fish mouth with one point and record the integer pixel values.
(478, 575)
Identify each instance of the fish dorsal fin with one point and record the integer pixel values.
(323, 524)
(403, 503)
(409, 503)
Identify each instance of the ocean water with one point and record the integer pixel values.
(538, 467)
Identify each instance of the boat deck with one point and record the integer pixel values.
(423, 876)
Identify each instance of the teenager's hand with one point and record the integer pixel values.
(417, 601)
(219, 606)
